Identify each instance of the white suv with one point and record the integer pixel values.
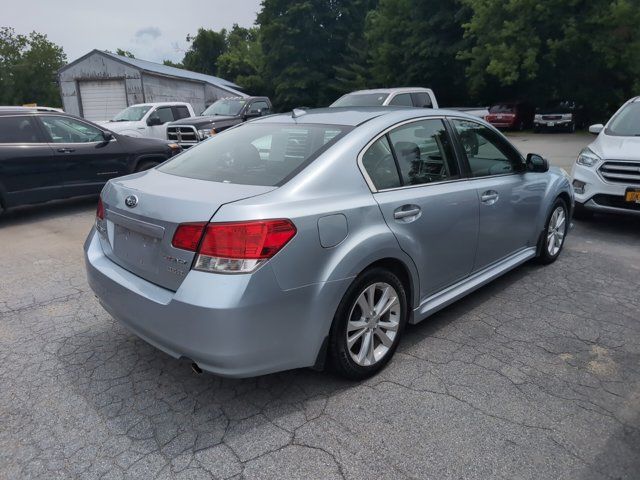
(606, 175)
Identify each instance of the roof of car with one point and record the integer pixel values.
(158, 104)
(391, 90)
(353, 116)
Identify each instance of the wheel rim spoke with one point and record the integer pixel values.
(374, 324)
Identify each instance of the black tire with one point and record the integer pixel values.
(546, 257)
(572, 128)
(142, 166)
(339, 355)
(536, 130)
(582, 213)
(521, 125)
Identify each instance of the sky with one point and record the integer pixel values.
(153, 30)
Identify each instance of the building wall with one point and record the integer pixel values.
(98, 67)
(165, 89)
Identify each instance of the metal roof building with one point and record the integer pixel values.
(99, 84)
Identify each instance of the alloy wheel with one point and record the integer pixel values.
(373, 324)
(556, 230)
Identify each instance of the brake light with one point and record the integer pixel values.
(100, 210)
(238, 247)
(188, 235)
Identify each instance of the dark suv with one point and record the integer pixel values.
(51, 155)
(219, 116)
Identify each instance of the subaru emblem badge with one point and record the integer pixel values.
(131, 201)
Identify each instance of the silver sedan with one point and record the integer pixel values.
(313, 238)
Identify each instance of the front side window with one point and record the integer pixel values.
(18, 129)
(132, 114)
(627, 122)
(424, 152)
(70, 130)
(487, 153)
(255, 153)
(261, 107)
(404, 99)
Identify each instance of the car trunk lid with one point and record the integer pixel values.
(142, 212)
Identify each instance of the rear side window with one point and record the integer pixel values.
(181, 112)
(255, 154)
(421, 100)
(18, 129)
(380, 166)
(404, 99)
(424, 152)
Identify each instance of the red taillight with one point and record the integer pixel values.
(246, 240)
(237, 247)
(100, 210)
(187, 236)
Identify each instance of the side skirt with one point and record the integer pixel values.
(450, 294)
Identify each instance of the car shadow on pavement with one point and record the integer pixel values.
(45, 211)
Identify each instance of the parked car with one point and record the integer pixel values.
(559, 115)
(510, 115)
(50, 155)
(401, 97)
(220, 115)
(351, 224)
(148, 119)
(606, 175)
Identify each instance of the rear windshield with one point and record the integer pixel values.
(361, 100)
(503, 108)
(255, 154)
(627, 122)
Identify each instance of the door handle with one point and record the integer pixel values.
(400, 214)
(66, 150)
(489, 197)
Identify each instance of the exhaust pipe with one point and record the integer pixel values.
(196, 369)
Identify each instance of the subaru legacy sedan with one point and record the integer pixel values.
(313, 238)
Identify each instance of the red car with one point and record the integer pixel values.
(511, 115)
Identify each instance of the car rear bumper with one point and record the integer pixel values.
(230, 325)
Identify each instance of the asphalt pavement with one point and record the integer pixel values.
(536, 376)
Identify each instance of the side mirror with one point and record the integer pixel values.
(107, 135)
(153, 121)
(596, 129)
(537, 163)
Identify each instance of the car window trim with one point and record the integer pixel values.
(50, 141)
(385, 132)
(39, 129)
(465, 159)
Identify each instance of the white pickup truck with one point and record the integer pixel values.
(399, 97)
(148, 119)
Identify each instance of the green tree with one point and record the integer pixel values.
(588, 50)
(206, 47)
(124, 53)
(169, 63)
(28, 68)
(302, 42)
(415, 43)
(243, 62)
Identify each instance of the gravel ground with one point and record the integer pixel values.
(534, 376)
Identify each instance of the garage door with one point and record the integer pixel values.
(102, 99)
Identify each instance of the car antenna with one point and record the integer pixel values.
(299, 111)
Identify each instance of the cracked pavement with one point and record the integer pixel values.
(534, 376)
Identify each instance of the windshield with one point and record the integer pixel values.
(255, 154)
(229, 106)
(361, 100)
(627, 122)
(502, 108)
(557, 107)
(132, 114)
